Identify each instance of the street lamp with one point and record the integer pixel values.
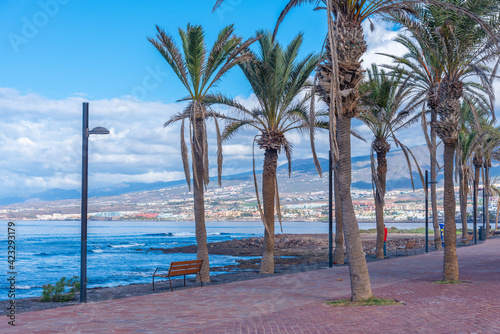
(474, 207)
(330, 211)
(427, 182)
(85, 164)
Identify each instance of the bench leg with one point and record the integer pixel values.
(171, 289)
(184, 280)
(201, 281)
(153, 282)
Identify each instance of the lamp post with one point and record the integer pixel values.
(427, 182)
(484, 220)
(85, 163)
(330, 211)
(474, 205)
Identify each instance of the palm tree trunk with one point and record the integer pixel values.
(268, 197)
(477, 168)
(450, 272)
(358, 270)
(435, 217)
(199, 199)
(463, 206)
(338, 254)
(379, 200)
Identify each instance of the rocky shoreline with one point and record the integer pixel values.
(293, 253)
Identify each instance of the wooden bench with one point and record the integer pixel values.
(181, 268)
(470, 236)
(410, 244)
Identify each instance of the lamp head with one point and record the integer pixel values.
(99, 131)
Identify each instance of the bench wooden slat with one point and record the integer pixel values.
(190, 262)
(180, 272)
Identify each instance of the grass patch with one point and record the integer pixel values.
(420, 230)
(367, 302)
(449, 282)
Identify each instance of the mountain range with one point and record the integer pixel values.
(303, 170)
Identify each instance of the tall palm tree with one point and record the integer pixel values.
(467, 141)
(463, 50)
(340, 76)
(469, 148)
(199, 69)
(278, 78)
(424, 71)
(491, 144)
(497, 193)
(382, 98)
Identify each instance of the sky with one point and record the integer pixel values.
(56, 54)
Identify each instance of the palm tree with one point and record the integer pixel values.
(383, 96)
(340, 76)
(277, 78)
(424, 71)
(199, 73)
(491, 144)
(497, 193)
(467, 141)
(463, 50)
(469, 149)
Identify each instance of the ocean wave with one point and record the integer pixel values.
(126, 246)
(42, 254)
(24, 287)
(169, 234)
(184, 234)
(98, 250)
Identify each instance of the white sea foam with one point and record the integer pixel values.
(23, 287)
(184, 234)
(127, 246)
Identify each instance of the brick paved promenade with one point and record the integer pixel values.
(295, 303)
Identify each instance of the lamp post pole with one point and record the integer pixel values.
(426, 211)
(83, 217)
(85, 164)
(427, 182)
(330, 211)
(474, 205)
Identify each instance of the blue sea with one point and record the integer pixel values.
(117, 250)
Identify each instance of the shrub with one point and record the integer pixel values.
(57, 293)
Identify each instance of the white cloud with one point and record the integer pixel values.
(380, 40)
(40, 141)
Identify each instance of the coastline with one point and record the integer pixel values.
(293, 253)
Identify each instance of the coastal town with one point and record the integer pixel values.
(236, 202)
